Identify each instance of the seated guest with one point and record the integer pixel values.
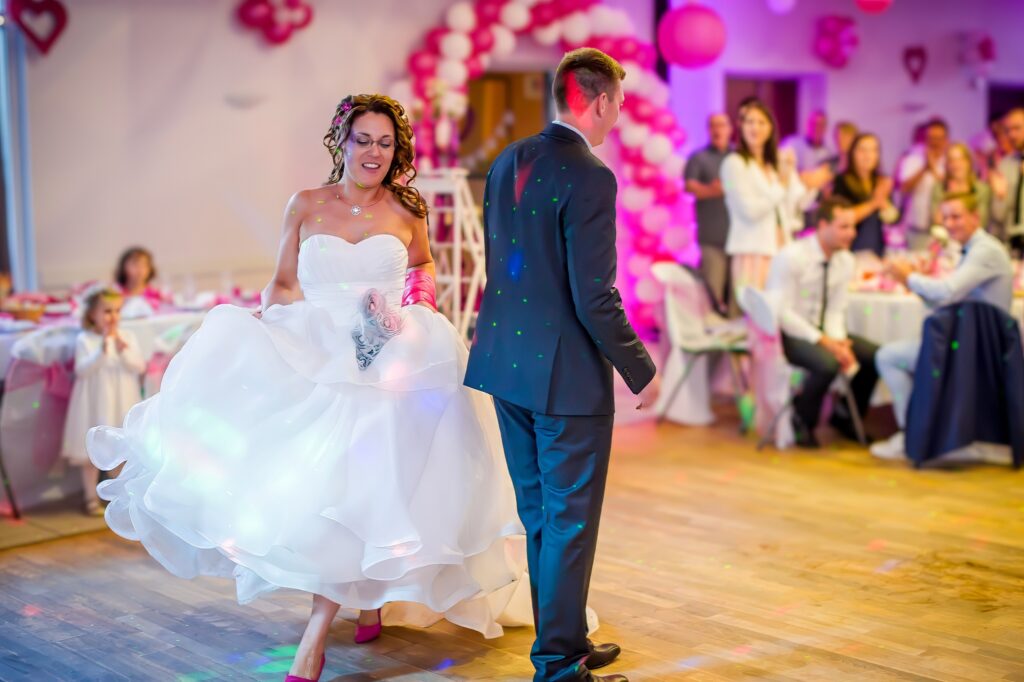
(984, 274)
(961, 179)
(813, 276)
(864, 186)
(134, 276)
(703, 182)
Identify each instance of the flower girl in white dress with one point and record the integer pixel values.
(108, 366)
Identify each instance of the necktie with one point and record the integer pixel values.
(824, 297)
(1017, 212)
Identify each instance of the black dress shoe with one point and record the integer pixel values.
(803, 436)
(602, 654)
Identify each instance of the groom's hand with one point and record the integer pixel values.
(649, 395)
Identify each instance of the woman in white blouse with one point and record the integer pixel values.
(763, 193)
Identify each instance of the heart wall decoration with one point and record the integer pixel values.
(42, 21)
(915, 59)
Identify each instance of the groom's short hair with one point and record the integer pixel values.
(583, 75)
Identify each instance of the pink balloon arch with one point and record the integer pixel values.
(655, 217)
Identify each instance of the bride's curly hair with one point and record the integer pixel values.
(401, 173)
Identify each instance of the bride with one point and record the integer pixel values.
(326, 443)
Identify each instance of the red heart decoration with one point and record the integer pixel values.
(41, 20)
(915, 58)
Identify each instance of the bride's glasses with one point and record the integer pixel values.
(365, 141)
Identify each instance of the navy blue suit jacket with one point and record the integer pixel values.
(551, 324)
(968, 383)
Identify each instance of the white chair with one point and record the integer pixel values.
(695, 331)
(778, 385)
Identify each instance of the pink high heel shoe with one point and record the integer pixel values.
(368, 633)
(296, 678)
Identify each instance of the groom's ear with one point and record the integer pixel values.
(601, 102)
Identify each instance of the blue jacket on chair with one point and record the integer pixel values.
(968, 383)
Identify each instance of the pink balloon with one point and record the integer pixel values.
(422, 63)
(475, 66)
(603, 43)
(307, 13)
(542, 14)
(256, 13)
(873, 6)
(663, 121)
(691, 36)
(628, 48)
(433, 39)
(646, 176)
(488, 12)
(278, 33)
(647, 56)
(643, 111)
(678, 137)
(483, 39)
(631, 156)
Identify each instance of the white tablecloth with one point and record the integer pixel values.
(881, 318)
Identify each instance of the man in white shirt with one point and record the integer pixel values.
(813, 276)
(983, 274)
(917, 174)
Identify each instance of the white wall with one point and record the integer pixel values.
(164, 123)
(873, 90)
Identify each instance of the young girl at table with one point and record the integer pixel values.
(108, 365)
(134, 275)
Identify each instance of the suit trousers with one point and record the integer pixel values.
(559, 466)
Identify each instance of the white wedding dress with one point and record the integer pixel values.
(318, 449)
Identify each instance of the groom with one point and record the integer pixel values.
(550, 330)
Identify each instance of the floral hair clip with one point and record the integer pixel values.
(337, 120)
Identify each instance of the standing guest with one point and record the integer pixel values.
(108, 364)
(810, 148)
(703, 182)
(984, 274)
(813, 276)
(961, 179)
(864, 186)
(813, 158)
(762, 192)
(844, 134)
(134, 276)
(918, 173)
(1008, 184)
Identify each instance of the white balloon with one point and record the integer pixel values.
(401, 90)
(526, 3)
(515, 17)
(610, 22)
(781, 6)
(655, 219)
(675, 239)
(443, 133)
(601, 19)
(636, 198)
(657, 149)
(455, 103)
(456, 46)
(648, 291)
(658, 93)
(640, 265)
(576, 28)
(548, 35)
(461, 17)
(633, 136)
(673, 166)
(504, 40)
(452, 72)
(634, 74)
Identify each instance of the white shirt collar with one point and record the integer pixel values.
(577, 131)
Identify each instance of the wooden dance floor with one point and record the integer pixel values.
(716, 563)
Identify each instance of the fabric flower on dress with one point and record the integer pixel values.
(378, 325)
